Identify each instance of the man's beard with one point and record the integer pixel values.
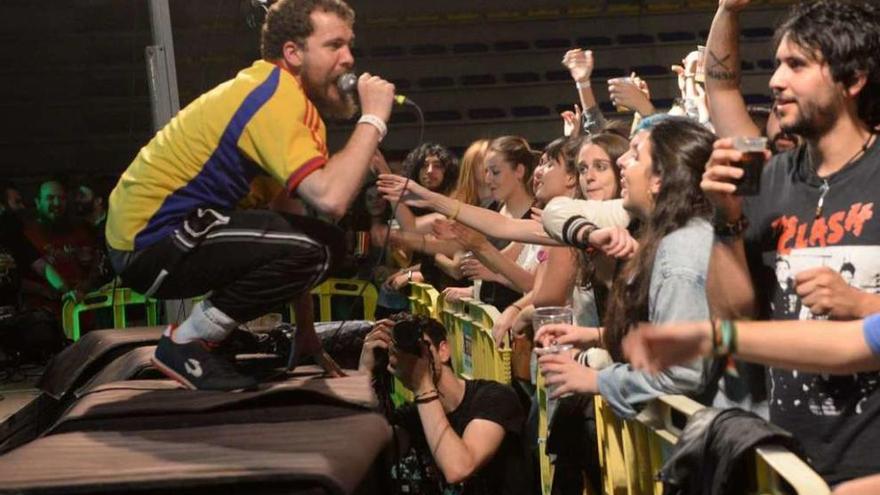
(812, 121)
(342, 109)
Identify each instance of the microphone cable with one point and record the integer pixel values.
(291, 364)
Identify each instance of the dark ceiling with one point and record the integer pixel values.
(75, 94)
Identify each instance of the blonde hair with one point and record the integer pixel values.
(468, 186)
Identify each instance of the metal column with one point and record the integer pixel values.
(161, 72)
(164, 101)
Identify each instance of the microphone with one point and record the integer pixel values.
(347, 83)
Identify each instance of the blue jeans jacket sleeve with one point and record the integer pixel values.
(625, 388)
(677, 293)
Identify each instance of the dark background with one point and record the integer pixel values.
(75, 97)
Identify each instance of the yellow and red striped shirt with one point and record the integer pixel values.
(235, 146)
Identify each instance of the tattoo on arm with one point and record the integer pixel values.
(719, 68)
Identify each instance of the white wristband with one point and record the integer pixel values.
(582, 85)
(376, 122)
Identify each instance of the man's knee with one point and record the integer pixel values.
(330, 238)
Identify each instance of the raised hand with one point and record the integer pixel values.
(571, 122)
(579, 63)
(720, 176)
(470, 239)
(379, 338)
(474, 270)
(376, 95)
(625, 92)
(455, 294)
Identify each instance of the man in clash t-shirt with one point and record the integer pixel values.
(813, 221)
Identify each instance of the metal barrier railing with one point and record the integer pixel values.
(631, 452)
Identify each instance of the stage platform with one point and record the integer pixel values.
(104, 422)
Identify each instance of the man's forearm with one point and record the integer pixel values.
(727, 111)
(815, 346)
(48, 272)
(729, 284)
(332, 188)
(448, 449)
(869, 304)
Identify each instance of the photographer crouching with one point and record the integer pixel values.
(458, 436)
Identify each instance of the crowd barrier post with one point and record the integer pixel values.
(544, 462)
(489, 362)
(450, 316)
(424, 300)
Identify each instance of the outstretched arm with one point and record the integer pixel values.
(727, 108)
(820, 346)
(488, 222)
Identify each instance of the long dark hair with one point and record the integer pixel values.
(614, 146)
(415, 160)
(680, 149)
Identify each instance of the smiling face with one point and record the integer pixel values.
(596, 174)
(807, 100)
(502, 177)
(52, 202)
(321, 60)
(639, 185)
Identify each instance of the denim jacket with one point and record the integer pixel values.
(677, 293)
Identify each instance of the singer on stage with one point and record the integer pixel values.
(186, 218)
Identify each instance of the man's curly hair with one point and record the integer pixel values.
(846, 34)
(289, 20)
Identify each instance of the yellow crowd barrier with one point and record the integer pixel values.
(334, 287)
(469, 334)
(120, 298)
(631, 452)
(468, 326)
(424, 300)
(117, 299)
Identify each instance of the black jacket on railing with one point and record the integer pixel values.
(709, 458)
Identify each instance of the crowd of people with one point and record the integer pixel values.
(641, 222)
(648, 231)
(51, 251)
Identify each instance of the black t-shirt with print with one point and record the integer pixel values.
(507, 473)
(836, 418)
(13, 244)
